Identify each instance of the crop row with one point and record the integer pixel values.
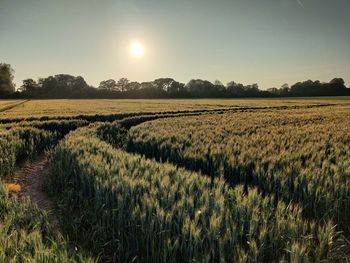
(21, 143)
(297, 155)
(62, 127)
(27, 236)
(24, 140)
(138, 209)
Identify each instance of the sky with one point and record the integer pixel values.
(269, 42)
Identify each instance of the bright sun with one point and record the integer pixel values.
(136, 50)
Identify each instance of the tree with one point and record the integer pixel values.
(122, 84)
(29, 86)
(6, 79)
(202, 88)
(133, 86)
(220, 87)
(235, 89)
(109, 85)
(284, 90)
(150, 89)
(338, 81)
(168, 85)
(78, 86)
(148, 85)
(163, 83)
(336, 87)
(176, 87)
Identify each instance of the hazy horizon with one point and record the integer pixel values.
(267, 42)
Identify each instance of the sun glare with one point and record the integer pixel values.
(136, 50)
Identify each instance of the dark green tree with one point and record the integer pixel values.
(133, 86)
(6, 79)
(109, 85)
(122, 84)
(29, 86)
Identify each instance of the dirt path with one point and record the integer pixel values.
(31, 177)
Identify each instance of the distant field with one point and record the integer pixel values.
(244, 180)
(9, 104)
(65, 108)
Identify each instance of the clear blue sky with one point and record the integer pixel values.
(269, 42)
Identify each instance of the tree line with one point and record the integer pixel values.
(68, 86)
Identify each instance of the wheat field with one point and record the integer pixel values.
(262, 180)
